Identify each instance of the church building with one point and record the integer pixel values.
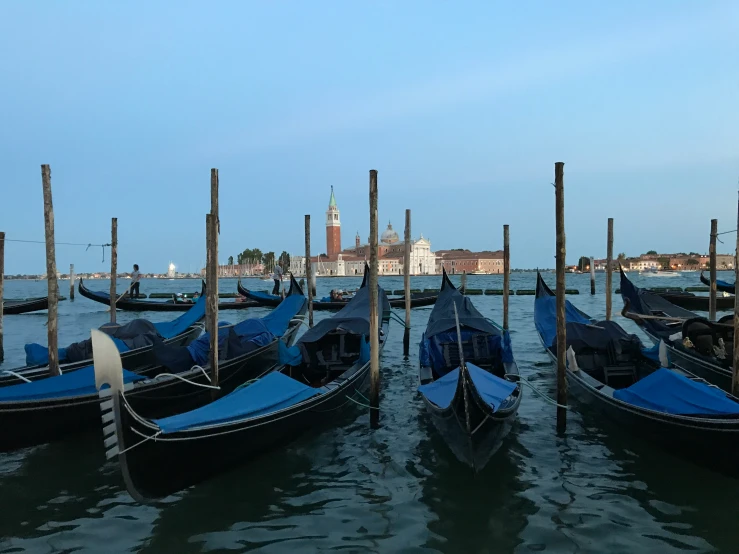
(350, 261)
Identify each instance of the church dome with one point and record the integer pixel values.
(389, 236)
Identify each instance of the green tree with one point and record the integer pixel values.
(652, 253)
(622, 256)
(664, 262)
(230, 260)
(268, 260)
(284, 260)
(691, 261)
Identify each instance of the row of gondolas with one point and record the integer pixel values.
(169, 426)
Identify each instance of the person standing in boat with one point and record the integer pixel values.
(277, 276)
(135, 278)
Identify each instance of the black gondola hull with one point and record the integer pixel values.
(151, 305)
(691, 301)
(488, 428)
(29, 423)
(202, 453)
(15, 307)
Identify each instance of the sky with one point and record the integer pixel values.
(463, 108)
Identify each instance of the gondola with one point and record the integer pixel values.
(696, 345)
(691, 301)
(612, 372)
(52, 408)
(418, 299)
(25, 305)
(178, 332)
(468, 378)
(323, 373)
(721, 286)
(133, 305)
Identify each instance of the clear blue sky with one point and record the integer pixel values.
(462, 107)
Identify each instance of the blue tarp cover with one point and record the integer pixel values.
(491, 388)
(75, 383)
(38, 354)
(672, 393)
(271, 393)
(169, 329)
(545, 317)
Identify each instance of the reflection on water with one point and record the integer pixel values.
(397, 489)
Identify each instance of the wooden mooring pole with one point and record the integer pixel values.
(71, 281)
(113, 267)
(712, 261)
(463, 284)
(506, 273)
(407, 284)
(609, 270)
(374, 397)
(213, 223)
(735, 373)
(2, 286)
(308, 271)
(561, 321)
(211, 271)
(52, 285)
(592, 275)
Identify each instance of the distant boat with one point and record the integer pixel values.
(661, 274)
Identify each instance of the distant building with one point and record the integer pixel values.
(460, 261)
(171, 271)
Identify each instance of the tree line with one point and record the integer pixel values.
(256, 256)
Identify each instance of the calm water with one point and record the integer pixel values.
(346, 488)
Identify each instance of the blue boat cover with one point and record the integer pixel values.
(672, 393)
(545, 314)
(169, 329)
(278, 320)
(80, 382)
(271, 393)
(491, 388)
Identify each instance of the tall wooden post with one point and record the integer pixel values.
(712, 258)
(609, 270)
(2, 286)
(407, 284)
(71, 282)
(735, 373)
(561, 321)
(52, 285)
(308, 271)
(506, 273)
(113, 267)
(211, 226)
(214, 202)
(464, 282)
(374, 397)
(592, 275)
(208, 276)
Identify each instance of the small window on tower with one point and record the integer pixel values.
(336, 216)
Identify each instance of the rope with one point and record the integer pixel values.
(154, 436)
(17, 375)
(494, 324)
(87, 246)
(537, 391)
(397, 318)
(360, 404)
(188, 381)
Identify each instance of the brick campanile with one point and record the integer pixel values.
(333, 228)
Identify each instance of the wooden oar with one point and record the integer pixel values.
(123, 294)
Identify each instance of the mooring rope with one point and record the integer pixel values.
(215, 387)
(154, 436)
(14, 374)
(397, 318)
(537, 391)
(86, 245)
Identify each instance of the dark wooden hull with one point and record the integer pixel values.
(488, 429)
(691, 301)
(418, 300)
(199, 454)
(154, 306)
(27, 423)
(711, 442)
(14, 307)
(720, 286)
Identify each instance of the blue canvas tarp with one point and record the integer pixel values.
(545, 317)
(80, 382)
(271, 393)
(492, 389)
(169, 329)
(667, 391)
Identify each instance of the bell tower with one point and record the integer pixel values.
(333, 228)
